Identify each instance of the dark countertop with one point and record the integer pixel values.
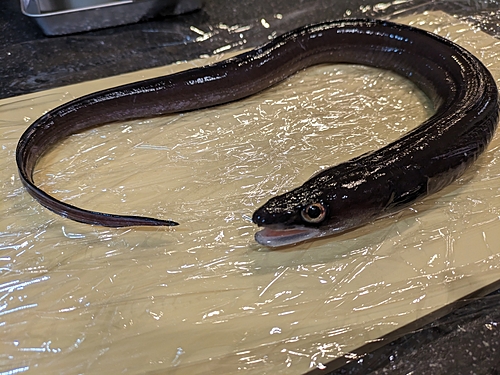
(466, 340)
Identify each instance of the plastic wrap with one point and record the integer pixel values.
(204, 297)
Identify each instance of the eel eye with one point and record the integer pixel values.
(314, 213)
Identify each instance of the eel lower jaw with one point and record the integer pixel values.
(276, 236)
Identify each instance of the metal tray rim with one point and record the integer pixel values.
(74, 10)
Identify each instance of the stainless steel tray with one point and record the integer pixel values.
(59, 17)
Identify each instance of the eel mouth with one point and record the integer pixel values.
(276, 236)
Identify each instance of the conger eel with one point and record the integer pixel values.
(345, 196)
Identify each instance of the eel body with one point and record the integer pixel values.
(344, 196)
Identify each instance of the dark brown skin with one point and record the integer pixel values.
(347, 195)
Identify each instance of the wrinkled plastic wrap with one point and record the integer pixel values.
(203, 297)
